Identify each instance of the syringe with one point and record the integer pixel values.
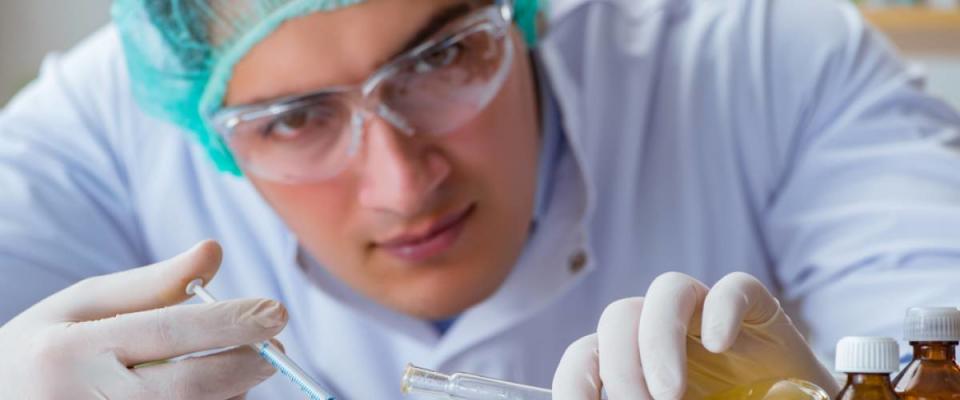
(462, 386)
(274, 356)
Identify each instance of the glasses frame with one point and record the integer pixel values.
(496, 18)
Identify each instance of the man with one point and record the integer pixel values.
(414, 183)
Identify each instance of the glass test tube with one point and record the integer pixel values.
(462, 386)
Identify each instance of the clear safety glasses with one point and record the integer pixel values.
(435, 88)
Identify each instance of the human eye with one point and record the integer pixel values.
(287, 125)
(302, 122)
(440, 57)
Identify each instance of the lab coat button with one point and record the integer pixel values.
(577, 261)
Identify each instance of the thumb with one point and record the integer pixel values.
(154, 286)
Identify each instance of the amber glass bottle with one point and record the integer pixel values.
(933, 373)
(868, 362)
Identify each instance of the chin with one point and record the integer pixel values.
(441, 296)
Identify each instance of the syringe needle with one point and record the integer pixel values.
(274, 356)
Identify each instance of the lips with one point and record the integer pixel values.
(430, 242)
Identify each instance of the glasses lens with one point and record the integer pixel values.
(310, 138)
(449, 84)
(438, 91)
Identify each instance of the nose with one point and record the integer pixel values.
(400, 175)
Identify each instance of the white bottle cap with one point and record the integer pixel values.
(932, 324)
(870, 355)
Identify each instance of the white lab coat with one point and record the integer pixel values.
(778, 137)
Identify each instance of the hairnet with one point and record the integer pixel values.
(181, 53)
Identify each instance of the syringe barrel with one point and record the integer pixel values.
(274, 356)
(291, 370)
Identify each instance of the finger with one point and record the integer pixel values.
(617, 335)
(279, 345)
(736, 299)
(578, 374)
(215, 377)
(671, 302)
(139, 289)
(174, 331)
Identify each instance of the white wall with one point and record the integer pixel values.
(31, 28)
(943, 75)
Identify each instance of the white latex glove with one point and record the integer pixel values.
(82, 342)
(684, 340)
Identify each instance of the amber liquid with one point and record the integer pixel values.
(933, 373)
(773, 389)
(867, 387)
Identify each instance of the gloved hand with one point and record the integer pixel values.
(685, 340)
(82, 342)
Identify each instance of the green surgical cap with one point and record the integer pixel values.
(181, 53)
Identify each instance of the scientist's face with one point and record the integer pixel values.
(426, 225)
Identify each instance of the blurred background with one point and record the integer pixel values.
(926, 31)
(31, 28)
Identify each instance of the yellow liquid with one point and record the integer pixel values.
(773, 389)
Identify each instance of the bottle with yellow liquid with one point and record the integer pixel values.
(431, 384)
(933, 373)
(868, 362)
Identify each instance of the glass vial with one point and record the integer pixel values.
(868, 362)
(933, 373)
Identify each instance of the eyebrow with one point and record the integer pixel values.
(437, 22)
